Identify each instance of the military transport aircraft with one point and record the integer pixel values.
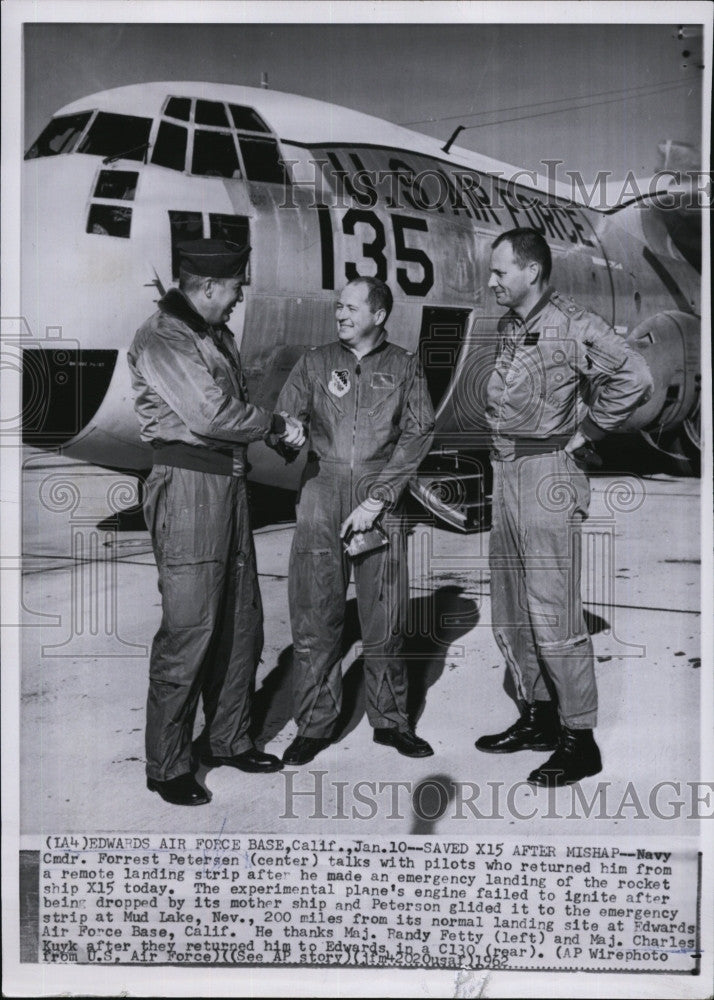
(322, 193)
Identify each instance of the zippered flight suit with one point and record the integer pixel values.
(561, 369)
(192, 404)
(370, 425)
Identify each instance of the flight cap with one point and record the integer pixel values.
(214, 258)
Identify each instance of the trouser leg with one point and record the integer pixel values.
(509, 601)
(382, 585)
(188, 514)
(552, 556)
(317, 586)
(229, 677)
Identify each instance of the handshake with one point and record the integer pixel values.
(294, 434)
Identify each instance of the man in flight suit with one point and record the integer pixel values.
(370, 423)
(192, 404)
(541, 424)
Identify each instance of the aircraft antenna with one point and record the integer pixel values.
(445, 148)
(264, 80)
(156, 283)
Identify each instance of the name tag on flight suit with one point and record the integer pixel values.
(382, 380)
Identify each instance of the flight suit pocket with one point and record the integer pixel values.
(325, 399)
(386, 406)
(580, 483)
(155, 504)
(316, 595)
(191, 595)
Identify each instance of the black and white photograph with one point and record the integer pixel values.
(356, 499)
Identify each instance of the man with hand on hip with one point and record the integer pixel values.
(551, 352)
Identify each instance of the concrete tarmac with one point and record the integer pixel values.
(91, 607)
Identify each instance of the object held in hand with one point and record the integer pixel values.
(586, 457)
(359, 542)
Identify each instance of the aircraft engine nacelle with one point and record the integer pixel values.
(454, 482)
(670, 420)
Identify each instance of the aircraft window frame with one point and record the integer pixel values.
(178, 218)
(265, 140)
(108, 213)
(221, 226)
(238, 172)
(265, 130)
(73, 141)
(165, 113)
(106, 177)
(125, 148)
(189, 224)
(263, 134)
(187, 129)
(225, 124)
(109, 218)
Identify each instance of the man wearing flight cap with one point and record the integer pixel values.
(192, 405)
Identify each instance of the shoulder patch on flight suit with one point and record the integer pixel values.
(569, 307)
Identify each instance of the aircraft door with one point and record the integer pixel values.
(440, 341)
(457, 358)
(457, 354)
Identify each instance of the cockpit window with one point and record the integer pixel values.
(119, 185)
(59, 136)
(178, 107)
(262, 160)
(211, 113)
(246, 119)
(214, 155)
(125, 136)
(170, 146)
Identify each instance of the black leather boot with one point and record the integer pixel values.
(404, 741)
(577, 757)
(181, 791)
(537, 729)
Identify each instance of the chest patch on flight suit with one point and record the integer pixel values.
(382, 380)
(339, 383)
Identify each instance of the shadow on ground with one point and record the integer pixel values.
(435, 623)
